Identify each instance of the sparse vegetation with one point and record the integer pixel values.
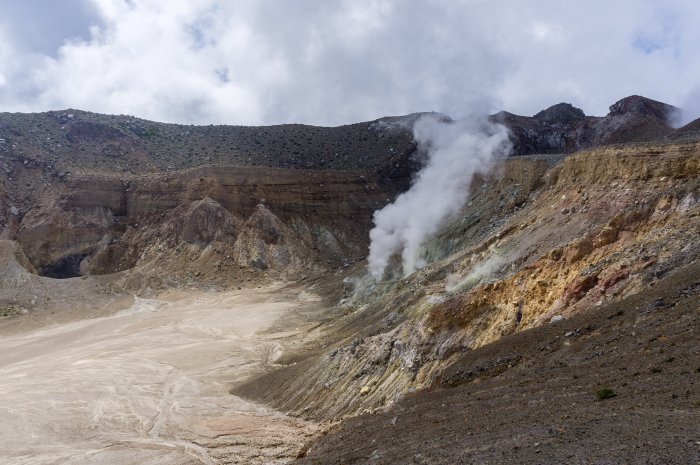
(75, 137)
(605, 393)
(10, 311)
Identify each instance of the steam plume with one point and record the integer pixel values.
(456, 151)
(690, 108)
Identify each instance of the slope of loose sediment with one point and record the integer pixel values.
(533, 396)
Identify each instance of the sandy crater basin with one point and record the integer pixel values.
(150, 384)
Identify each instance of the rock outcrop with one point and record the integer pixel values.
(109, 222)
(563, 128)
(266, 243)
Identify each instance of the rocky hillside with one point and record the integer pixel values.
(73, 140)
(544, 239)
(134, 206)
(564, 282)
(616, 384)
(84, 193)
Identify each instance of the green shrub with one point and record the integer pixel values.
(605, 393)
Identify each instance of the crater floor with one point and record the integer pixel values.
(150, 384)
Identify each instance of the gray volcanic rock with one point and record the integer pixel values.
(73, 140)
(561, 128)
(265, 242)
(635, 119)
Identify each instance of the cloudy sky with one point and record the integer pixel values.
(338, 61)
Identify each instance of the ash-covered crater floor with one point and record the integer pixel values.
(150, 384)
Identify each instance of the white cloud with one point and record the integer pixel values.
(690, 105)
(268, 61)
(545, 32)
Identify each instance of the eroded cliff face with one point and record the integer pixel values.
(90, 194)
(94, 224)
(115, 206)
(541, 240)
(87, 194)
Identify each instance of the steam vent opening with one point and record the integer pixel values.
(66, 267)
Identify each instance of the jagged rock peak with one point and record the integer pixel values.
(200, 222)
(636, 104)
(266, 224)
(564, 113)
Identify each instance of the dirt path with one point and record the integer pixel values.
(150, 385)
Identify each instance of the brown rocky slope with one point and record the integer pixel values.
(593, 228)
(544, 243)
(618, 384)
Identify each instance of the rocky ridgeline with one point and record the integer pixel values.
(563, 128)
(73, 140)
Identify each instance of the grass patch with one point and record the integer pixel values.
(10, 312)
(605, 393)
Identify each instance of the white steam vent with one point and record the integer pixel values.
(456, 151)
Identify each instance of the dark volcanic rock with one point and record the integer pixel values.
(635, 119)
(93, 132)
(563, 128)
(638, 105)
(558, 129)
(561, 113)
